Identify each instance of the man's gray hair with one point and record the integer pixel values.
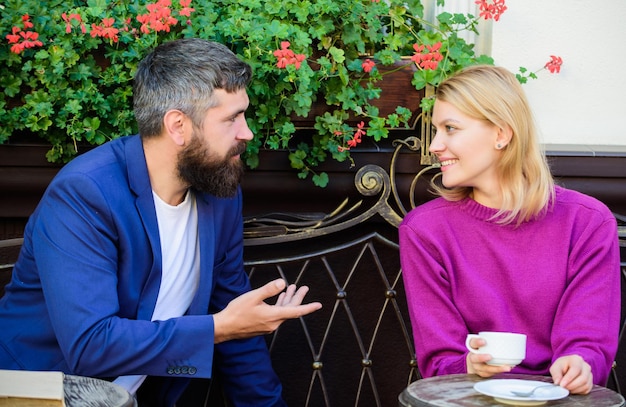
(182, 75)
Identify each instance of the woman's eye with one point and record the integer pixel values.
(447, 128)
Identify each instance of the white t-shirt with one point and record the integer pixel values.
(180, 268)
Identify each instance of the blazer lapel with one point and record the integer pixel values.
(206, 238)
(139, 181)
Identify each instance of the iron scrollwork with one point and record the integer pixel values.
(370, 180)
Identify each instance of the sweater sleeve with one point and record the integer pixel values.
(587, 319)
(439, 333)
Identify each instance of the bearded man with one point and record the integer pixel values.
(132, 263)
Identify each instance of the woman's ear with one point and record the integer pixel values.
(175, 123)
(504, 137)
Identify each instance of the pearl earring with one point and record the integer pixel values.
(498, 146)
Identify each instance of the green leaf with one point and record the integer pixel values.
(252, 161)
(320, 180)
(276, 29)
(337, 54)
(11, 84)
(297, 159)
(36, 123)
(96, 7)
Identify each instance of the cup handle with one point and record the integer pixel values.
(467, 342)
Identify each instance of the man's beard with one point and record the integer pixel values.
(199, 168)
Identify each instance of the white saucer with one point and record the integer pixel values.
(500, 389)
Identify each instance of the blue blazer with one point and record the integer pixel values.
(86, 282)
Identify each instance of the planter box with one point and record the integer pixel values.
(274, 187)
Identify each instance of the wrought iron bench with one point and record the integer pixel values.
(358, 349)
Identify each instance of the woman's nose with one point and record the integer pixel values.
(436, 145)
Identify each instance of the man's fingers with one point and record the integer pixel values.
(291, 289)
(293, 297)
(300, 294)
(281, 299)
(285, 313)
(289, 301)
(269, 290)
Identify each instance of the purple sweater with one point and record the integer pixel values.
(555, 279)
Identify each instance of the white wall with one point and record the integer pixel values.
(586, 102)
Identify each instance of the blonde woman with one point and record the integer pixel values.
(504, 249)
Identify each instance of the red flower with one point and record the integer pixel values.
(368, 65)
(106, 30)
(27, 22)
(23, 39)
(186, 10)
(68, 22)
(15, 37)
(427, 56)
(286, 56)
(159, 17)
(493, 10)
(356, 139)
(554, 64)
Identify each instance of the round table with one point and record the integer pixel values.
(458, 390)
(83, 391)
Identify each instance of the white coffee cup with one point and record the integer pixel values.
(505, 348)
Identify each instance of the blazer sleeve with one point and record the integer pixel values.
(90, 247)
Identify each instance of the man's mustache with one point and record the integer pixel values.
(239, 148)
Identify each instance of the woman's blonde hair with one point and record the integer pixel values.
(494, 94)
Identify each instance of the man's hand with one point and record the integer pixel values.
(248, 315)
(572, 373)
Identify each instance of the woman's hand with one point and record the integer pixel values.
(477, 363)
(572, 373)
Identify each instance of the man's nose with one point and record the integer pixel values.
(245, 133)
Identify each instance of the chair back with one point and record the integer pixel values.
(9, 250)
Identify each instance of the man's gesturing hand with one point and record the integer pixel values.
(248, 315)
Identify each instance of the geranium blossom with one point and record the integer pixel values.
(554, 64)
(427, 56)
(355, 140)
(68, 22)
(368, 65)
(23, 39)
(158, 18)
(105, 30)
(286, 56)
(358, 134)
(186, 10)
(491, 10)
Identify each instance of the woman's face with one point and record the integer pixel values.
(468, 151)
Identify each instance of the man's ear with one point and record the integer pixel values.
(175, 123)
(505, 134)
